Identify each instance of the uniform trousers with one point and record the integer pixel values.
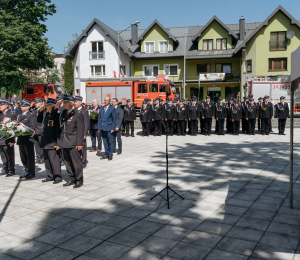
(229, 125)
(281, 125)
(236, 127)
(189, 127)
(27, 158)
(220, 126)
(73, 164)
(202, 125)
(52, 164)
(108, 142)
(265, 125)
(127, 123)
(84, 152)
(170, 127)
(118, 138)
(194, 127)
(157, 127)
(145, 128)
(251, 126)
(7, 154)
(95, 135)
(38, 150)
(259, 124)
(181, 127)
(244, 125)
(207, 125)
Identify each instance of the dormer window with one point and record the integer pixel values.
(163, 46)
(149, 47)
(207, 45)
(97, 51)
(221, 44)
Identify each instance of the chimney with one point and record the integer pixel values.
(134, 34)
(242, 28)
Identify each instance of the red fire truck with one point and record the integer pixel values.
(136, 90)
(45, 91)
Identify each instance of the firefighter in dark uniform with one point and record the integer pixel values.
(86, 121)
(189, 122)
(71, 140)
(157, 116)
(59, 103)
(149, 105)
(145, 117)
(7, 149)
(170, 116)
(194, 115)
(221, 115)
(252, 112)
(49, 118)
(229, 122)
(208, 114)
(236, 117)
(201, 119)
(244, 121)
(282, 113)
(182, 116)
(175, 122)
(266, 113)
(129, 117)
(26, 145)
(38, 103)
(258, 104)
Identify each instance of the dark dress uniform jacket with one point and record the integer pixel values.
(129, 113)
(193, 112)
(236, 112)
(220, 111)
(170, 112)
(282, 111)
(267, 112)
(158, 112)
(12, 116)
(29, 120)
(119, 118)
(86, 120)
(39, 125)
(182, 112)
(145, 114)
(72, 129)
(208, 109)
(50, 129)
(251, 111)
(94, 122)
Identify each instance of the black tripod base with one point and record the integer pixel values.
(167, 188)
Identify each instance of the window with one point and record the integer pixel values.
(207, 45)
(77, 72)
(171, 70)
(231, 92)
(249, 65)
(223, 68)
(123, 70)
(162, 88)
(142, 88)
(48, 89)
(77, 92)
(151, 70)
(163, 46)
(98, 70)
(221, 44)
(153, 87)
(278, 41)
(29, 90)
(203, 68)
(149, 47)
(97, 50)
(194, 92)
(277, 64)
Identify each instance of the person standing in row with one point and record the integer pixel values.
(282, 113)
(49, 140)
(7, 149)
(145, 117)
(236, 117)
(258, 104)
(96, 137)
(86, 121)
(182, 116)
(60, 105)
(266, 113)
(229, 108)
(244, 105)
(208, 115)
(71, 140)
(26, 145)
(119, 125)
(129, 117)
(170, 116)
(157, 117)
(221, 115)
(252, 112)
(193, 116)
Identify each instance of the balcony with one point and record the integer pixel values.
(97, 55)
(277, 45)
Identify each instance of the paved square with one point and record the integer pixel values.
(236, 205)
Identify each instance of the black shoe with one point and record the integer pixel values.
(283, 134)
(69, 183)
(104, 157)
(267, 133)
(77, 185)
(132, 136)
(29, 177)
(205, 134)
(143, 135)
(209, 134)
(47, 180)
(109, 158)
(127, 135)
(4, 172)
(119, 152)
(57, 181)
(11, 173)
(24, 176)
(84, 165)
(114, 151)
(147, 135)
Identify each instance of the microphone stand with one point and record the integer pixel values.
(167, 188)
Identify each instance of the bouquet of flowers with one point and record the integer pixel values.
(5, 132)
(93, 114)
(11, 125)
(22, 130)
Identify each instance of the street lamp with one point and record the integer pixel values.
(119, 61)
(246, 68)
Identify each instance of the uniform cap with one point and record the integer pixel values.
(170, 99)
(25, 103)
(127, 100)
(251, 99)
(183, 100)
(235, 101)
(51, 101)
(68, 98)
(231, 98)
(260, 98)
(203, 101)
(220, 98)
(207, 97)
(282, 97)
(146, 99)
(3, 102)
(37, 99)
(189, 99)
(193, 99)
(59, 97)
(250, 96)
(78, 98)
(174, 101)
(145, 102)
(267, 97)
(246, 97)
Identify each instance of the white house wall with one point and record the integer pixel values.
(83, 62)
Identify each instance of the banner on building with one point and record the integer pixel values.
(211, 76)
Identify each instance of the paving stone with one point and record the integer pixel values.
(10, 241)
(128, 238)
(253, 223)
(189, 252)
(157, 245)
(108, 250)
(102, 232)
(280, 240)
(58, 254)
(55, 237)
(214, 227)
(146, 227)
(120, 222)
(285, 229)
(202, 239)
(245, 233)
(78, 226)
(135, 254)
(172, 232)
(263, 251)
(236, 246)
(260, 214)
(218, 255)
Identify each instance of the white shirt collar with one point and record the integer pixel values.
(79, 108)
(25, 113)
(71, 110)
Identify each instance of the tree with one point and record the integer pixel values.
(22, 42)
(69, 76)
(70, 43)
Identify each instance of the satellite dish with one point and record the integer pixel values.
(290, 34)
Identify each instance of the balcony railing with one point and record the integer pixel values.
(97, 55)
(277, 45)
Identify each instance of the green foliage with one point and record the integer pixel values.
(54, 76)
(70, 43)
(69, 76)
(22, 42)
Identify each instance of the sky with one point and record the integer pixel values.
(73, 16)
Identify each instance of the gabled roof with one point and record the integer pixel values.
(161, 26)
(266, 23)
(214, 18)
(70, 54)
